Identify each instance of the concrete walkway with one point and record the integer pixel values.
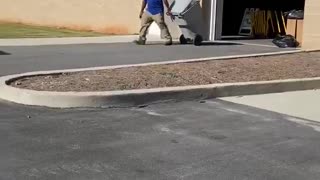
(73, 40)
(111, 39)
(302, 104)
(64, 41)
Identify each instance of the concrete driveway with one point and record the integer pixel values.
(185, 140)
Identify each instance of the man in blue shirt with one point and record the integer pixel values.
(154, 13)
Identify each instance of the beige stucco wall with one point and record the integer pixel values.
(311, 30)
(120, 16)
(110, 16)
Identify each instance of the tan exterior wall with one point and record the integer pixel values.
(120, 16)
(311, 30)
(109, 16)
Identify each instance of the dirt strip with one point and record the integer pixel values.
(300, 65)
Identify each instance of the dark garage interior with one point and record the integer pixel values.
(233, 11)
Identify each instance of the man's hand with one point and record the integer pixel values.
(141, 14)
(168, 9)
(169, 13)
(143, 6)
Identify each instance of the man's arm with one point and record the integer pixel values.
(143, 6)
(166, 3)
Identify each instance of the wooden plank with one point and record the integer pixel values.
(291, 27)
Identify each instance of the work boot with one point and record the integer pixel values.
(168, 42)
(140, 41)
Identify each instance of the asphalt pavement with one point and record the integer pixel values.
(186, 140)
(214, 139)
(55, 57)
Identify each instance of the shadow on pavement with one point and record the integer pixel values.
(220, 44)
(4, 53)
(203, 43)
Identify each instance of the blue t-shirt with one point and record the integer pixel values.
(155, 6)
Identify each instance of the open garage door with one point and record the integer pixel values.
(233, 12)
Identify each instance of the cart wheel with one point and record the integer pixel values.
(197, 40)
(183, 40)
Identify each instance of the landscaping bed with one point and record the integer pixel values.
(300, 65)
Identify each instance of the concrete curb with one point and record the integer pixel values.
(64, 41)
(145, 96)
(129, 98)
(74, 40)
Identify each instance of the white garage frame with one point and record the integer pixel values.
(216, 13)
